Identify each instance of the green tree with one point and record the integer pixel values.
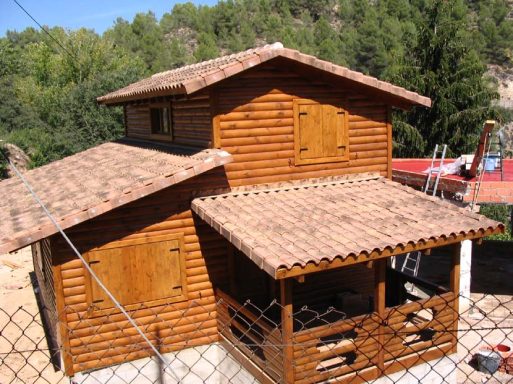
(207, 48)
(443, 67)
(371, 55)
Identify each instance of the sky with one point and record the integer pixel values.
(73, 14)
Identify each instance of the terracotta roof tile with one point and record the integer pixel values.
(191, 78)
(92, 182)
(297, 225)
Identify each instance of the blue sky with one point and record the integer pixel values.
(96, 14)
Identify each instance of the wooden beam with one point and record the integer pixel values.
(379, 307)
(389, 142)
(249, 365)
(483, 140)
(455, 288)
(216, 119)
(287, 329)
(232, 270)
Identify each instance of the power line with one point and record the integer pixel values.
(74, 57)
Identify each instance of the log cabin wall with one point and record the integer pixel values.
(253, 120)
(42, 258)
(323, 287)
(163, 213)
(191, 120)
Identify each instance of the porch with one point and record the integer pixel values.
(336, 337)
(311, 297)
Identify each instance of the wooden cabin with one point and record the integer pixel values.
(261, 176)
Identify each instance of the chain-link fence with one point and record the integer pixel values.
(422, 338)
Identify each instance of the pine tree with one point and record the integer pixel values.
(443, 67)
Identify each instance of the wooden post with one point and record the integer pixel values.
(379, 308)
(455, 288)
(232, 270)
(287, 330)
(389, 143)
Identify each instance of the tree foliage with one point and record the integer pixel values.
(436, 47)
(443, 66)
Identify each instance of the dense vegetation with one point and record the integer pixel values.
(436, 47)
(500, 213)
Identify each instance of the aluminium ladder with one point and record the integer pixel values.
(411, 262)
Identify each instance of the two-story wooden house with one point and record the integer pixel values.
(262, 175)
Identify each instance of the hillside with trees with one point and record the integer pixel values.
(49, 82)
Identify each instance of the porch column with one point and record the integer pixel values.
(455, 288)
(287, 329)
(465, 275)
(379, 307)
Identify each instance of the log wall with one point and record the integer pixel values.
(191, 120)
(42, 258)
(253, 120)
(96, 340)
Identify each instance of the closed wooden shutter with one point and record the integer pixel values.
(321, 132)
(140, 273)
(310, 123)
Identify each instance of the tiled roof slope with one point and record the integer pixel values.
(191, 78)
(87, 184)
(299, 225)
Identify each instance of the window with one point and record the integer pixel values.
(161, 122)
(320, 133)
(149, 271)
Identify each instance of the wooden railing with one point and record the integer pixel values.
(414, 333)
(258, 339)
(335, 349)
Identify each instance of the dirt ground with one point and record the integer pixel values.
(20, 325)
(492, 316)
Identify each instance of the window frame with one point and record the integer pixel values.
(94, 311)
(160, 135)
(298, 160)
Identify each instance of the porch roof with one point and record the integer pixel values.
(298, 229)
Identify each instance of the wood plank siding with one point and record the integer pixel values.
(191, 121)
(97, 339)
(254, 121)
(42, 258)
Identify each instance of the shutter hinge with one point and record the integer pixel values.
(94, 262)
(302, 113)
(303, 149)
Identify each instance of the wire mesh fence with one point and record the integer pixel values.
(433, 338)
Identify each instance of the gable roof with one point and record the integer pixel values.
(313, 225)
(194, 77)
(90, 183)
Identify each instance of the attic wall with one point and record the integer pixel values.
(90, 339)
(254, 122)
(191, 121)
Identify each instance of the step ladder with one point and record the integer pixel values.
(411, 262)
(435, 170)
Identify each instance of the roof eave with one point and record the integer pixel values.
(123, 99)
(403, 98)
(298, 270)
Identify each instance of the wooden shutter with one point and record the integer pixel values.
(140, 273)
(321, 132)
(333, 131)
(311, 141)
